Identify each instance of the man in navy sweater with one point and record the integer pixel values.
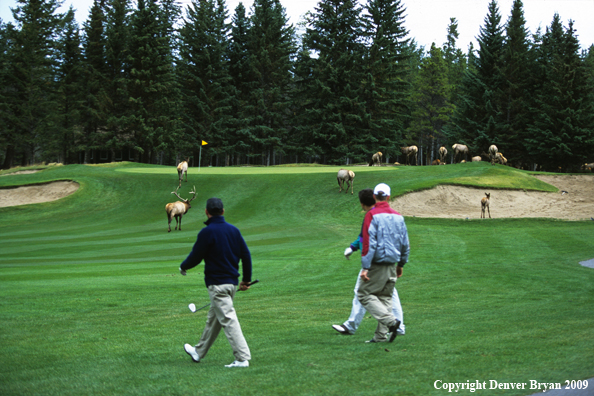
(221, 246)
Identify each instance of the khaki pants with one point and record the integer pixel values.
(376, 297)
(222, 315)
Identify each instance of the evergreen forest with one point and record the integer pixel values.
(150, 82)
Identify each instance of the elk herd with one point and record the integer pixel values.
(345, 177)
(460, 153)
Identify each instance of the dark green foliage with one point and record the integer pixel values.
(96, 101)
(153, 89)
(117, 51)
(205, 80)
(563, 112)
(137, 85)
(433, 107)
(477, 120)
(518, 73)
(67, 143)
(386, 83)
(270, 47)
(335, 115)
(29, 111)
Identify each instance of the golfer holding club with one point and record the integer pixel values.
(221, 246)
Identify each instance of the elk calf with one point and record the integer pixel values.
(485, 205)
(178, 209)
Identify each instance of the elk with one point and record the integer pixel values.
(477, 159)
(178, 209)
(442, 154)
(485, 205)
(410, 151)
(459, 149)
(345, 176)
(501, 159)
(376, 159)
(492, 153)
(181, 169)
(435, 162)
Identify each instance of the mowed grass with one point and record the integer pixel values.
(92, 303)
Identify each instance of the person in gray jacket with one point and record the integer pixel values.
(385, 251)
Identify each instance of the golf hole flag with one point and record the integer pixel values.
(200, 157)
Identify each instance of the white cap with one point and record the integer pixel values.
(381, 190)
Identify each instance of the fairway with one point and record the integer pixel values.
(92, 302)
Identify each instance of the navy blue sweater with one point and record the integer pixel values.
(221, 246)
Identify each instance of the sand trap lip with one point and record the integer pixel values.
(37, 193)
(23, 172)
(456, 202)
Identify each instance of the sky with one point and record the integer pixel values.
(426, 20)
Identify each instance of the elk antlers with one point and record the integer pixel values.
(193, 192)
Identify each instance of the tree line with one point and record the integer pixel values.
(150, 83)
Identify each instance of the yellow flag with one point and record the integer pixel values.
(204, 143)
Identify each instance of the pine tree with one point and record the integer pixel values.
(95, 105)
(562, 133)
(271, 47)
(68, 143)
(153, 88)
(517, 71)
(477, 121)
(5, 43)
(433, 108)
(205, 80)
(30, 92)
(455, 60)
(386, 86)
(117, 51)
(335, 118)
(238, 56)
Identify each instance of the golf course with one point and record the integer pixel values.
(92, 301)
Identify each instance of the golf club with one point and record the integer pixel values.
(192, 306)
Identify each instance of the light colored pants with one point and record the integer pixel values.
(222, 315)
(358, 311)
(376, 297)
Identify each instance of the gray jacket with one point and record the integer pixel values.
(385, 237)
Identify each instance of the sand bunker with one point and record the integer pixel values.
(38, 193)
(456, 202)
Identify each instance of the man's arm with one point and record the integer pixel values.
(196, 255)
(246, 264)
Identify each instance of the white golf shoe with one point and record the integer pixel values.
(190, 350)
(239, 363)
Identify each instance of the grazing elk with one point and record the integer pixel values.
(492, 153)
(501, 159)
(410, 151)
(376, 159)
(485, 205)
(460, 149)
(178, 209)
(345, 176)
(181, 169)
(442, 154)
